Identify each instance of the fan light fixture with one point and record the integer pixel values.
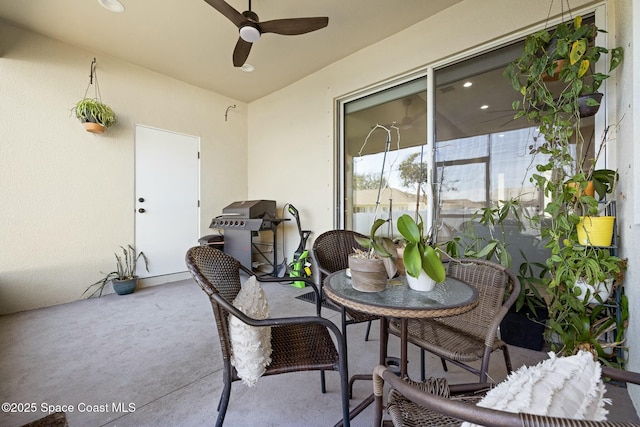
(250, 27)
(247, 68)
(249, 34)
(112, 5)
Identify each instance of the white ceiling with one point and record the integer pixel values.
(192, 42)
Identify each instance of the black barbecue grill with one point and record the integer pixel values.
(243, 220)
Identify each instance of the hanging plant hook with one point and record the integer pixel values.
(562, 2)
(227, 112)
(92, 71)
(93, 75)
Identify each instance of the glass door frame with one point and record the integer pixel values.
(342, 216)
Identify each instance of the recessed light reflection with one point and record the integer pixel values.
(467, 84)
(484, 107)
(112, 5)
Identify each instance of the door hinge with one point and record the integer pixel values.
(198, 155)
(198, 203)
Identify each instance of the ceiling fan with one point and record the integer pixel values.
(251, 28)
(408, 121)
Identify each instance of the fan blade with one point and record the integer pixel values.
(293, 26)
(228, 11)
(241, 52)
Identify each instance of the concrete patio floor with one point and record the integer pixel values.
(152, 358)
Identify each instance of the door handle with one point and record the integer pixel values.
(141, 210)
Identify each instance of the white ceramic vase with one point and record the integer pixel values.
(421, 283)
(603, 289)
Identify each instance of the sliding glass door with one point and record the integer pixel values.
(481, 158)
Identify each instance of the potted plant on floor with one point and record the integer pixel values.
(488, 235)
(422, 261)
(123, 278)
(371, 268)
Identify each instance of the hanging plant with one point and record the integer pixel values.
(92, 113)
(569, 54)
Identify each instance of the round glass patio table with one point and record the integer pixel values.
(398, 300)
(449, 298)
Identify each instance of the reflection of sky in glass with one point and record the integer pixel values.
(510, 164)
(372, 164)
(503, 158)
(463, 182)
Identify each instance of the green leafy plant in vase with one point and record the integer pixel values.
(370, 268)
(422, 261)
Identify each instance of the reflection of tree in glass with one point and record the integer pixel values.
(369, 181)
(412, 172)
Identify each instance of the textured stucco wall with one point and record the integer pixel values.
(66, 196)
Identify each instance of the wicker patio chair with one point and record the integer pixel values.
(298, 343)
(435, 403)
(330, 252)
(470, 336)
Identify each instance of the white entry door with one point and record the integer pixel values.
(167, 188)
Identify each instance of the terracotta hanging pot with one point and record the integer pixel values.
(588, 191)
(93, 127)
(556, 72)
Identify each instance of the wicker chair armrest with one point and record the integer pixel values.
(504, 309)
(453, 408)
(437, 386)
(529, 420)
(287, 279)
(485, 416)
(495, 325)
(306, 280)
(198, 277)
(620, 375)
(277, 321)
(317, 278)
(323, 272)
(378, 381)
